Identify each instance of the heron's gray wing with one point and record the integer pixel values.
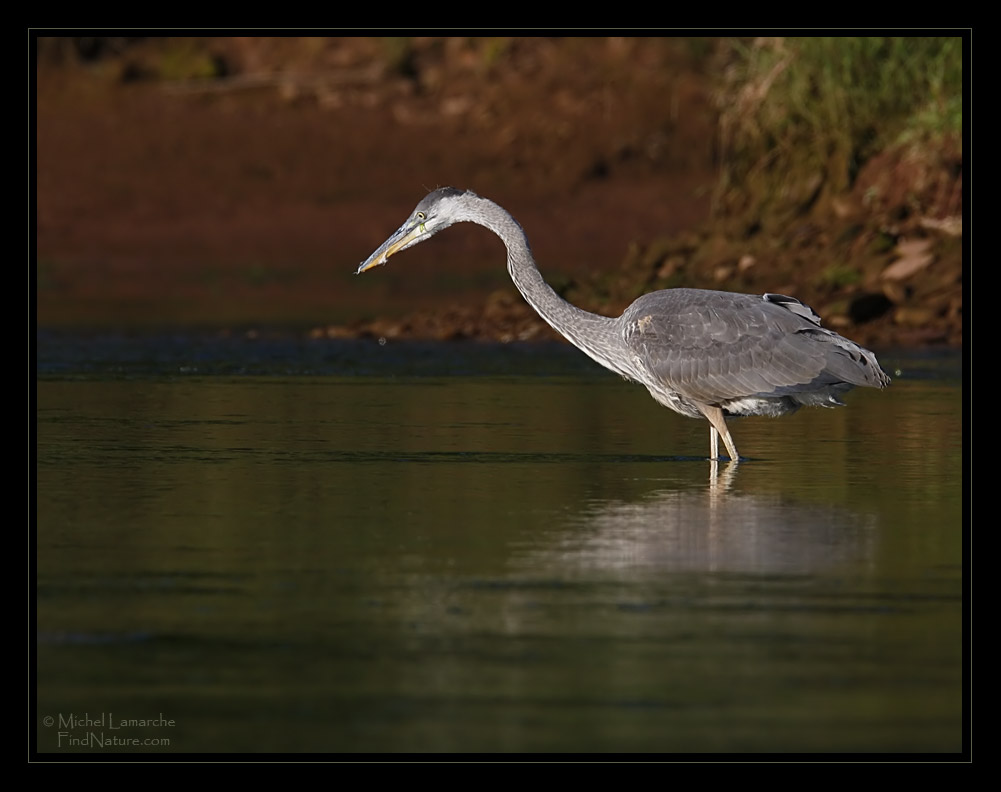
(715, 346)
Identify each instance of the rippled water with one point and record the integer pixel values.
(270, 545)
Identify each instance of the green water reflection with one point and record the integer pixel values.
(493, 564)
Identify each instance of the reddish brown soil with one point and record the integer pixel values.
(236, 204)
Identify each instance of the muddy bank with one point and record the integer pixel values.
(246, 200)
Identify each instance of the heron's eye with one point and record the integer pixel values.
(420, 217)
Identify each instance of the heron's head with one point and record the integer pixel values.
(437, 210)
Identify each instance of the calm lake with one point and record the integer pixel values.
(279, 545)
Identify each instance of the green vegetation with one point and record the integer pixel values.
(494, 49)
(186, 59)
(801, 109)
(399, 54)
(838, 276)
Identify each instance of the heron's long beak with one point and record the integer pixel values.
(407, 235)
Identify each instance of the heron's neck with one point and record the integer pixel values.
(592, 333)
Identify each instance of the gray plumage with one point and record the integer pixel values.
(702, 353)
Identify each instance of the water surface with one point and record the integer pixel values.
(334, 546)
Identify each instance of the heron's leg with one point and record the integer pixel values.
(730, 446)
(713, 443)
(717, 423)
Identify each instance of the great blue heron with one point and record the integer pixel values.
(702, 353)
